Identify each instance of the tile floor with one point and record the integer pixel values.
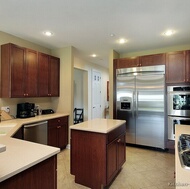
(143, 169)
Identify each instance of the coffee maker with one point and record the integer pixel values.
(25, 110)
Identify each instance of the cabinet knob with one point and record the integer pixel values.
(119, 140)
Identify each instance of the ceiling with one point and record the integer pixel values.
(87, 25)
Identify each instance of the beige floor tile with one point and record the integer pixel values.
(144, 169)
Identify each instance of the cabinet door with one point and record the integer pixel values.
(111, 160)
(58, 132)
(17, 71)
(52, 133)
(150, 60)
(121, 151)
(31, 74)
(175, 67)
(63, 132)
(54, 76)
(187, 64)
(127, 62)
(43, 61)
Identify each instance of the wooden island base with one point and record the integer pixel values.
(96, 158)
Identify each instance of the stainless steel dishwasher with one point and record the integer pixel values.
(36, 132)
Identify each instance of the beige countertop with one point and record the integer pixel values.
(98, 125)
(21, 155)
(15, 124)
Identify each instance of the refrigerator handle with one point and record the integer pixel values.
(137, 103)
(133, 101)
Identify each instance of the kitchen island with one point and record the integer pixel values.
(97, 151)
(27, 164)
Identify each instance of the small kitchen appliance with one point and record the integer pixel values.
(25, 110)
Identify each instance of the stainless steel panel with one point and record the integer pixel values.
(150, 122)
(145, 86)
(126, 88)
(36, 132)
(144, 70)
(172, 121)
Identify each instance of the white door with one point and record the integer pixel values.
(96, 94)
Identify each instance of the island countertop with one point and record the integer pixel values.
(98, 125)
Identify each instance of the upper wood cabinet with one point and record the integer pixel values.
(127, 62)
(19, 71)
(148, 60)
(177, 67)
(48, 75)
(187, 66)
(28, 73)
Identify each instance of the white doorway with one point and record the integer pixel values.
(81, 91)
(96, 94)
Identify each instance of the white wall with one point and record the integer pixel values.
(78, 88)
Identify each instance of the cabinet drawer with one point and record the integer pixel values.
(58, 121)
(116, 132)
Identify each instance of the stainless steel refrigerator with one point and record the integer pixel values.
(141, 102)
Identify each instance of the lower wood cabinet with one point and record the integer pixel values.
(58, 132)
(115, 157)
(42, 175)
(96, 158)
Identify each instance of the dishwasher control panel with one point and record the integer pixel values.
(184, 150)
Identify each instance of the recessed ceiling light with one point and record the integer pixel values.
(94, 55)
(168, 33)
(48, 33)
(122, 41)
(112, 35)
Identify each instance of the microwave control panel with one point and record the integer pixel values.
(184, 150)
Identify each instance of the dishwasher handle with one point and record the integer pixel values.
(35, 124)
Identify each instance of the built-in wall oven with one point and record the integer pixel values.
(178, 108)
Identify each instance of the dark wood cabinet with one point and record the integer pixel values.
(31, 74)
(148, 60)
(115, 157)
(151, 60)
(54, 76)
(48, 75)
(176, 67)
(28, 73)
(58, 132)
(19, 71)
(187, 66)
(41, 175)
(127, 62)
(96, 158)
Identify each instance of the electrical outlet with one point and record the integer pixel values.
(6, 109)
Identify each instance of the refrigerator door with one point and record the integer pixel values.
(150, 111)
(125, 105)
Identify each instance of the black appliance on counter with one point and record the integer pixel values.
(25, 110)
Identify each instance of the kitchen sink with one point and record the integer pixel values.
(5, 129)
